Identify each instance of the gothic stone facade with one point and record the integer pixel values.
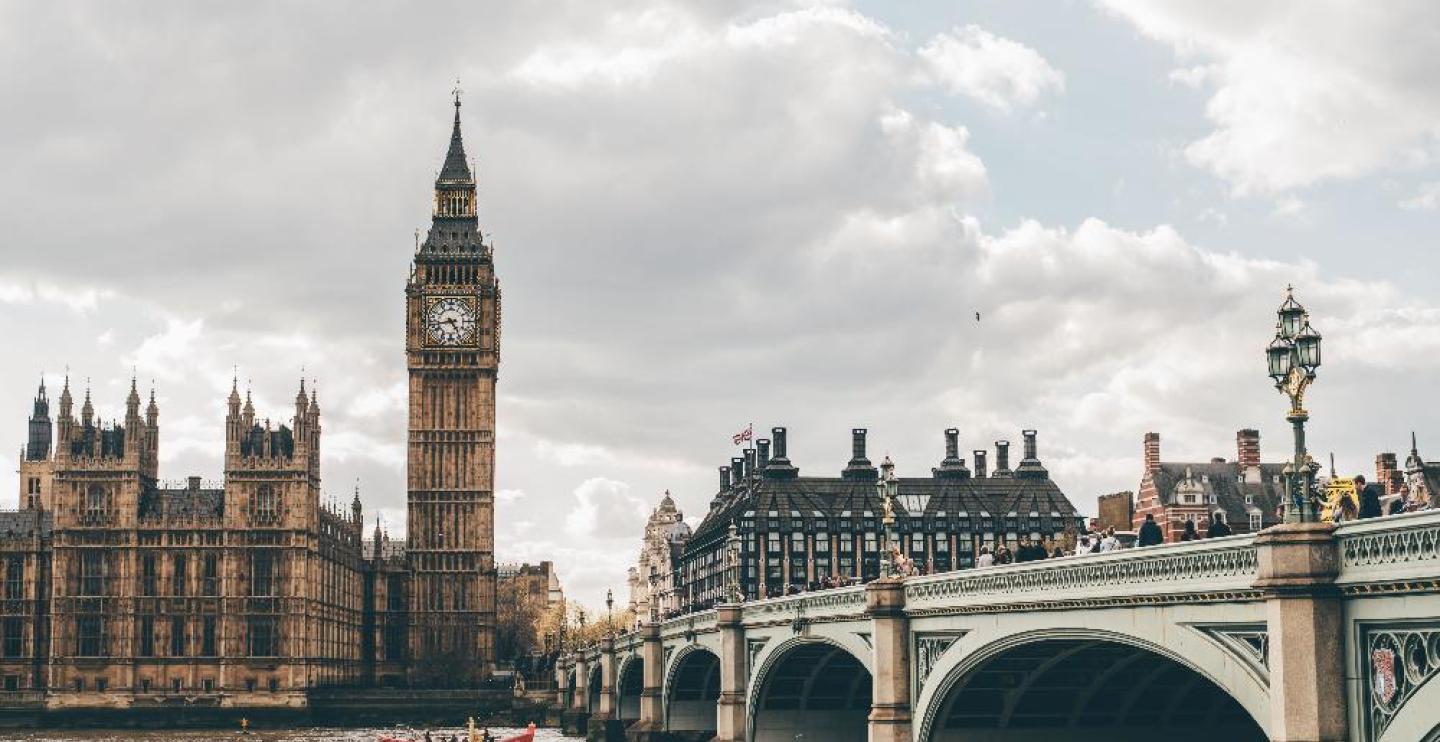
(452, 347)
(123, 592)
(129, 593)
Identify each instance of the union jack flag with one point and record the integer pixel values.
(745, 435)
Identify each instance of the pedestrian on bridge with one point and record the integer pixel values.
(1150, 534)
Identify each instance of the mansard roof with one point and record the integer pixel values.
(1223, 482)
(832, 497)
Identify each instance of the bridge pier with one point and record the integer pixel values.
(730, 709)
(890, 631)
(605, 725)
(1298, 564)
(651, 726)
(574, 719)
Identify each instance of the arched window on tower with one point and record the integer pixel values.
(266, 506)
(94, 503)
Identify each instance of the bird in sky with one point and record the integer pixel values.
(977, 316)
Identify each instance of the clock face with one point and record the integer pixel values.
(450, 321)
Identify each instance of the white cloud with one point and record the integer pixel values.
(605, 508)
(1304, 91)
(1426, 198)
(998, 72)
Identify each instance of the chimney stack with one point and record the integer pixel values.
(1152, 453)
(952, 466)
(1387, 473)
(750, 463)
(737, 471)
(1247, 445)
(724, 478)
(1002, 458)
(979, 454)
(859, 466)
(779, 466)
(1030, 466)
(762, 453)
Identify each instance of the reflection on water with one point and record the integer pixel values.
(313, 734)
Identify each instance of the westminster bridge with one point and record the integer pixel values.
(1302, 632)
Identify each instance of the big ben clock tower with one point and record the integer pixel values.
(452, 346)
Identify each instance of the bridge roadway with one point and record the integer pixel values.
(1300, 633)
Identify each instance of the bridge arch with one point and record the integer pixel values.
(692, 688)
(629, 684)
(592, 688)
(1093, 683)
(810, 686)
(1415, 720)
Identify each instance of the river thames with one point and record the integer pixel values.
(311, 734)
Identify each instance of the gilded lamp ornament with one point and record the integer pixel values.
(1293, 357)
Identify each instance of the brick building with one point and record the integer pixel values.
(539, 583)
(1116, 510)
(1244, 491)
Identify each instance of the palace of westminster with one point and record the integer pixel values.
(121, 592)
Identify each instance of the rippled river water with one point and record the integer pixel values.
(314, 734)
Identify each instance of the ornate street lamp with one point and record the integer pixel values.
(887, 487)
(1293, 357)
(733, 592)
(609, 615)
(654, 598)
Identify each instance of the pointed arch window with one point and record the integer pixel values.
(267, 508)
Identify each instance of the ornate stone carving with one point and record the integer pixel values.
(928, 649)
(1165, 570)
(1250, 642)
(1411, 542)
(752, 650)
(1396, 662)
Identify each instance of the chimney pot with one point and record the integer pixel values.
(979, 455)
(857, 445)
(737, 470)
(762, 450)
(750, 462)
(724, 478)
(952, 443)
(778, 436)
(1030, 447)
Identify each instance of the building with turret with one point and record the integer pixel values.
(654, 580)
(127, 592)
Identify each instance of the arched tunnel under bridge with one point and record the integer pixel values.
(692, 691)
(630, 685)
(813, 691)
(1073, 689)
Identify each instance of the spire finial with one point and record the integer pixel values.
(457, 92)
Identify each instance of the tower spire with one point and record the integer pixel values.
(456, 168)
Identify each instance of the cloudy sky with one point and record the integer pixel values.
(715, 213)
